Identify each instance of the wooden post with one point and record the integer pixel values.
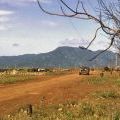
(101, 74)
(29, 110)
(111, 71)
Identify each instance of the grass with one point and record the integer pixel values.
(104, 105)
(117, 82)
(108, 94)
(10, 79)
(107, 78)
(80, 111)
(117, 116)
(97, 80)
(58, 73)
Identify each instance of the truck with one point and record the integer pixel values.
(84, 70)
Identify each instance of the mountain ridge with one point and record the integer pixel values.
(60, 57)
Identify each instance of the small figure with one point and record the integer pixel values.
(29, 110)
(101, 74)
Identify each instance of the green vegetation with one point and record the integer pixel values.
(107, 78)
(117, 82)
(97, 80)
(104, 104)
(58, 73)
(71, 56)
(10, 79)
(108, 94)
(70, 111)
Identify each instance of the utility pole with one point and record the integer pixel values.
(116, 62)
(117, 59)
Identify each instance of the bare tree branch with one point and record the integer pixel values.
(108, 17)
(112, 40)
(94, 37)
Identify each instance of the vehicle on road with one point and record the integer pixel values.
(84, 70)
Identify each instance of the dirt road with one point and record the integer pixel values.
(55, 90)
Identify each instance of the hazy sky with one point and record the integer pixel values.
(25, 29)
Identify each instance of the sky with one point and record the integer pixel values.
(25, 29)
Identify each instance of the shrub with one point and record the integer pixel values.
(108, 94)
(116, 116)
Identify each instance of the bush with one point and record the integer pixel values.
(108, 94)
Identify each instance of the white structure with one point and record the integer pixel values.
(117, 59)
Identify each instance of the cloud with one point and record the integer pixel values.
(5, 12)
(4, 19)
(49, 23)
(18, 2)
(74, 42)
(5, 26)
(15, 45)
(2, 28)
(45, 1)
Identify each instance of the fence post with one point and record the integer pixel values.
(29, 110)
(101, 74)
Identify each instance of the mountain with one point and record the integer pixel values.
(60, 57)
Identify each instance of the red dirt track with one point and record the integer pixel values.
(54, 89)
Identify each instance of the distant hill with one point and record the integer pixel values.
(60, 57)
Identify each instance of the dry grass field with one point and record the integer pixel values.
(62, 96)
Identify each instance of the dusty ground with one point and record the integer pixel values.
(53, 89)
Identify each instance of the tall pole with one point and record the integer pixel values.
(116, 59)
